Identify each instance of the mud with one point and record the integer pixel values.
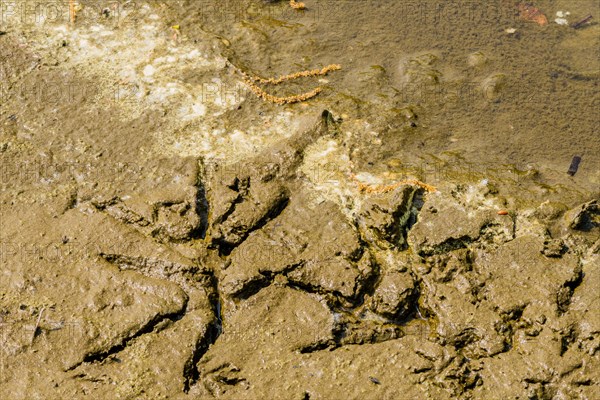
(167, 234)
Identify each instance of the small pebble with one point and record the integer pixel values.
(148, 70)
(374, 380)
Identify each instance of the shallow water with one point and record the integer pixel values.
(488, 97)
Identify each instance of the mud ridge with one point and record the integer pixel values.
(565, 293)
(225, 247)
(265, 280)
(102, 355)
(191, 372)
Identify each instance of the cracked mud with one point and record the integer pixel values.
(170, 245)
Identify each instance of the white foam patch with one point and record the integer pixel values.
(150, 69)
(137, 65)
(232, 145)
(327, 169)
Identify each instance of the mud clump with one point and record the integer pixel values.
(246, 195)
(385, 217)
(394, 296)
(219, 288)
(445, 224)
(587, 217)
(312, 246)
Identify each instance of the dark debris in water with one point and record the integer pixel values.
(574, 165)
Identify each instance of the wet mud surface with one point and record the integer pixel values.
(416, 230)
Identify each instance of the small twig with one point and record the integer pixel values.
(72, 11)
(582, 22)
(37, 325)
